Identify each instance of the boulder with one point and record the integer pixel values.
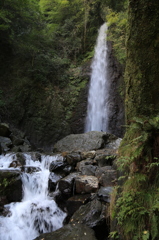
(83, 142)
(114, 143)
(4, 130)
(70, 232)
(21, 158)
(106, 176)
(104, 194)
(58, 164)
(73, 158)
(74, 202)
(84, 163)
(53, 180)
(66, 185)
(86, 184)
(91, 214)
(88, 170)
(105, 157)
(6, 143)
(94, 215)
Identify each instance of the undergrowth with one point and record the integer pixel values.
(135, 201)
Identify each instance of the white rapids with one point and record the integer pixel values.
(37, 212)
(97, 113)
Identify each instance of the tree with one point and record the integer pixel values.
(136, 206)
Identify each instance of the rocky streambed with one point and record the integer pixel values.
(80, 181)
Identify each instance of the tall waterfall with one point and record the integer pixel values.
(37, 212)
(97, 114)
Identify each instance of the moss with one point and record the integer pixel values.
(142, 73)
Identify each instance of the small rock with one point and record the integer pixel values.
(90, 154)
(86, 184)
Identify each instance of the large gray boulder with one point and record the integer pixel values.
(83, 142)
(70, 232)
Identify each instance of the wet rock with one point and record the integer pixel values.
(83, 142)
(11, 185)
(106, 175)
(3, 201)
(15, 164)
(58, 164)
(90, 154)
(70, 232)
(73, 158)
(30, 169)
(53, 180)
(74, 202)
(89, 170)
(66, 185)
(91, 214)
(35, 156)
(86, 184)
(21, 158)
(104, 194)
(105, 157)
(82, 164)
(6, 143)
(1, 149)
(4, 130)
(68, 169)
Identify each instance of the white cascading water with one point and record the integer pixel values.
(97, 115)
(37, 212)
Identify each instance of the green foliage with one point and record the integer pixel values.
(117, 32)
(137, 199)
(4, 184)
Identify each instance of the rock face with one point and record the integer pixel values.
(116, 95)
(70, 232)
(10, 142)
(83, 142)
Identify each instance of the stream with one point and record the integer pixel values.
(37, 212)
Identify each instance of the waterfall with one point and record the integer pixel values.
(97, 113)
(37, 212)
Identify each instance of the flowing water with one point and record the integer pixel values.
(37, 212)
(97, 113)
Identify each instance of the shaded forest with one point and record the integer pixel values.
(45, 51)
